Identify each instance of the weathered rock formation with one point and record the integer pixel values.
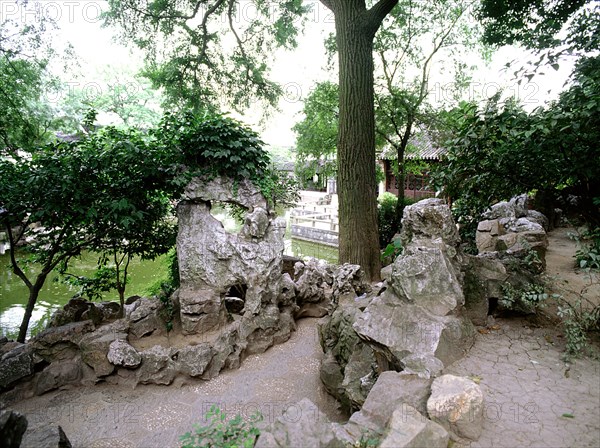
(512, 245)
(512, 227)
(456, 403)
(234, 301)
(413, 323)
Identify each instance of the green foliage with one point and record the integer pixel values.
(528, 299)
(212, 145)
(92, 288)
(279, 189)
(26, 117)
(578, 322)
(588, 255)
(233, 433)
(119, 92)
(387, 219)
(536, 23)
(499, 151)
(368, 439)
(189, 53)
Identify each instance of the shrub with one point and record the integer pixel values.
(223, 433)
(588, 255)
(386, 217)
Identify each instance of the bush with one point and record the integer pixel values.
(233, 433)
(386, 217)
(588, 255)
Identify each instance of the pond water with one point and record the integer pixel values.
(143, 275)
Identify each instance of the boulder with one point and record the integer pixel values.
(58, 374)
(300, 425)
(144, 318)
(410, 429)
(428, 220)
(61, 343)
(392, 391)
(539, 218)
(95, 346)
(193, 360)
(349, 365)
(12, 427)
(484, 278)
(48, 436)
(15, 365)
(157, 366)
(313, 288)
(408, 335)
(349, 282)
(120, 353)
(76, 310)
(456, 403)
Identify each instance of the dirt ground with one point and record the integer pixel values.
(533, 398)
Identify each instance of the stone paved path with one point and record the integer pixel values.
(532, 397)
(155, 416)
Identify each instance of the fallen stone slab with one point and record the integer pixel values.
(456, 403)
(49, 436)
(410, 429)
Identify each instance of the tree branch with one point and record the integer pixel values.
(378, 12)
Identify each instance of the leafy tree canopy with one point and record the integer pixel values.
(536, 23)
(208, 52)
(317, 133)
(500, 150)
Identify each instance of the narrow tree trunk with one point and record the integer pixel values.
(358, 238)
(401, 169)
(34, 291)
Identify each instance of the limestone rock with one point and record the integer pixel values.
(456, 403)
(484, 278)
(15, 365)
(60, 343)
(301, 424)
(58, 374)
(193, 360)
(144, 318)
(120, 353)
(77, 309)
(401, 330)
(391, 391)
(349, 281)
(94, 347)
(429, 219)
(256, 223)
(539, 218)
(426, 277)
(157, 366)
(12, 427)
(348, 366)
(48, 436)
(410, 429)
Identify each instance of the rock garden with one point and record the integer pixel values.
(310, 354)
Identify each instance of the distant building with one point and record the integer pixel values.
(420, 148)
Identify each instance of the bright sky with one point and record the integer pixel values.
(297, 71)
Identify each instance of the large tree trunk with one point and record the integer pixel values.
(355, 30)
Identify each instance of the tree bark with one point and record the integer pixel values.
(355, 29)
(34, 291)
(402, 169)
